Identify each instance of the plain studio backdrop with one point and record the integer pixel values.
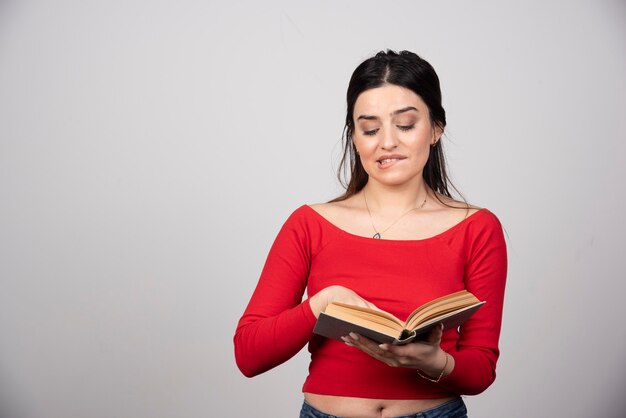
(151, 150)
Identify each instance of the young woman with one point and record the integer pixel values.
(393, 241)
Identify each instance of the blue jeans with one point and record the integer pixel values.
(451, 409)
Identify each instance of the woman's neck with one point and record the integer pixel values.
(390, 200)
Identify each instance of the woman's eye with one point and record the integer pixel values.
(370, 132)
(406, 127)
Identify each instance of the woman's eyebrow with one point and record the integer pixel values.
(368, 117)
(394, 113)
(404, 109)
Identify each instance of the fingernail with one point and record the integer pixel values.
(345, 339)
(354, 336)
(384, 347)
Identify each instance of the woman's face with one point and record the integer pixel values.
(393, 134)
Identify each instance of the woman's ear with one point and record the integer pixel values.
(437, 133)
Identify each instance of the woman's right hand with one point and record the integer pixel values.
(329, 294)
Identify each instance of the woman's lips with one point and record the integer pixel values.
(386, 162)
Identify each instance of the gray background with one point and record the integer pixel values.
(150, 151)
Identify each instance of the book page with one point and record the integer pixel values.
(440, 306)
(343, 310)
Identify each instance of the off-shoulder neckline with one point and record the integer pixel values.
(439, 235)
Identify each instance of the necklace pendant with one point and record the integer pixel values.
(376, 236)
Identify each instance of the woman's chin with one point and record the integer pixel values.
(396, 180)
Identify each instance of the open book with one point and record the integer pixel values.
(339, 319)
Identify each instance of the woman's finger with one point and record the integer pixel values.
(366, 345)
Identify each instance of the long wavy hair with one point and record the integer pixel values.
(405, 69)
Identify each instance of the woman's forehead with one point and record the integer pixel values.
(387, 99)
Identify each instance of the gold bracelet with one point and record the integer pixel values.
(440, 374)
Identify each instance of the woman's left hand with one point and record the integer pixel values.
(425, 355)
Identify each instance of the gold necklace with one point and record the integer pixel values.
(377, 234)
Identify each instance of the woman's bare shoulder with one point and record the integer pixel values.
(451, 203)
(328, 207)
(338, 213)
(450, 211)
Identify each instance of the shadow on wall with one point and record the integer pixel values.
(7, 10)
(9, 407)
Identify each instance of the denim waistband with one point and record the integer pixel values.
(454, 408)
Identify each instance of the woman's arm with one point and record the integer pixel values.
(277, 323)
(476, 351)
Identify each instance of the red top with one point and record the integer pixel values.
(397, 276)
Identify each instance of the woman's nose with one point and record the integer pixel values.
(389, 139)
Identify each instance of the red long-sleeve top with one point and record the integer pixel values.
(310, 253)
